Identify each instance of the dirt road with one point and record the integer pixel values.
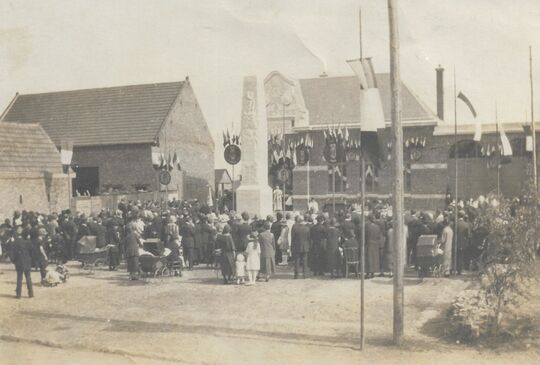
(103, 317)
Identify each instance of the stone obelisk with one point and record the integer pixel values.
(254, 194)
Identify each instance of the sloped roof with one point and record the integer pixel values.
(27, 148)
(112, 115)
(222, 176)
(336, 100)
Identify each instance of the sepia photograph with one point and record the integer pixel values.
(252, 182)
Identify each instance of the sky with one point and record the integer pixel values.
(64, 45)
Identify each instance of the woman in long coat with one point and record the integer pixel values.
(317, 250)
(333, 257)
(225, 243)
(132, 252)
(447, 238)
(374, 240)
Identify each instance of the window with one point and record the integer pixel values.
(466, 149)
(519, 147)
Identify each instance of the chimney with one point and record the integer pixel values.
(440, 92)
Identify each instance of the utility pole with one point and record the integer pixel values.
(533, 126)
(363, 222)
(397, 158)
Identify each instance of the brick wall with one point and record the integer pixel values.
(430, 176)
(119, 164)
(186, 132)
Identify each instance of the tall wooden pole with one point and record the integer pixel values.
(397, 158)
(363, 211)
(456, 156)
(533, 126)
(362, 247)
(498, 154)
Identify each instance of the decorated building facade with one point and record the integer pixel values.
(320, 106)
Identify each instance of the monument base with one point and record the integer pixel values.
(254, 199)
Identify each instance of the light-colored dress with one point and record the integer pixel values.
(253, 261)
(447, 238)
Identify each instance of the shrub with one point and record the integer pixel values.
(507, 268)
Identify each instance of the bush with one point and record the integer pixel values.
(507, 268)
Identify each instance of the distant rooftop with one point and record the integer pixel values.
(337, 100)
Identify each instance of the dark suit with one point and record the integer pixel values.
(187, 231)
(318, 235)
(300, 240)
(21, 255)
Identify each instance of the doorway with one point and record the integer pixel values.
(86, 182)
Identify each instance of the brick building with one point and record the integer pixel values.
(114, 130)
(310, 106)
(31, 176)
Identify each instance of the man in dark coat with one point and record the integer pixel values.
(276, 229)
(317, 250)
(187, 231)
(132, 245)
(463, 232)
(243, 230)
(69, 229)
(300, 241)
(21, 256)
(98, 229)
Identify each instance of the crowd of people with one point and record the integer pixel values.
(244, 247)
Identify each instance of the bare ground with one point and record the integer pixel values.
(104, 318)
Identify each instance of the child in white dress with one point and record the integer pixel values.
(240, 268)
(253, 253)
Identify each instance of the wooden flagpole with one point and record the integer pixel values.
(533, 126)
(397, 141)
(456, 155)
(363, 211)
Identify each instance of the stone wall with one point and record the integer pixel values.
(33, 192)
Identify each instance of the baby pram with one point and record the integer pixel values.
(159, 266)
(428, 256)
(90, 256)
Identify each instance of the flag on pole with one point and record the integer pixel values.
(478, 126)
(506, 147)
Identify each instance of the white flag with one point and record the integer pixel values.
(506, 147)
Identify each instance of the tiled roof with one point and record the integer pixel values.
(113, 115)
(27, 148)
(336, 100)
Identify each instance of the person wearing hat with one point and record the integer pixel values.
(300, 240)
(225, 244)
(21, 257)
(132, 245)
(332, 253)
(253, 257)
(463, 231)
(187, 231)
(268, 250)
(70, 231)
(275, 229)
(317, 249)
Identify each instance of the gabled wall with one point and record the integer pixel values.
(186, 132)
